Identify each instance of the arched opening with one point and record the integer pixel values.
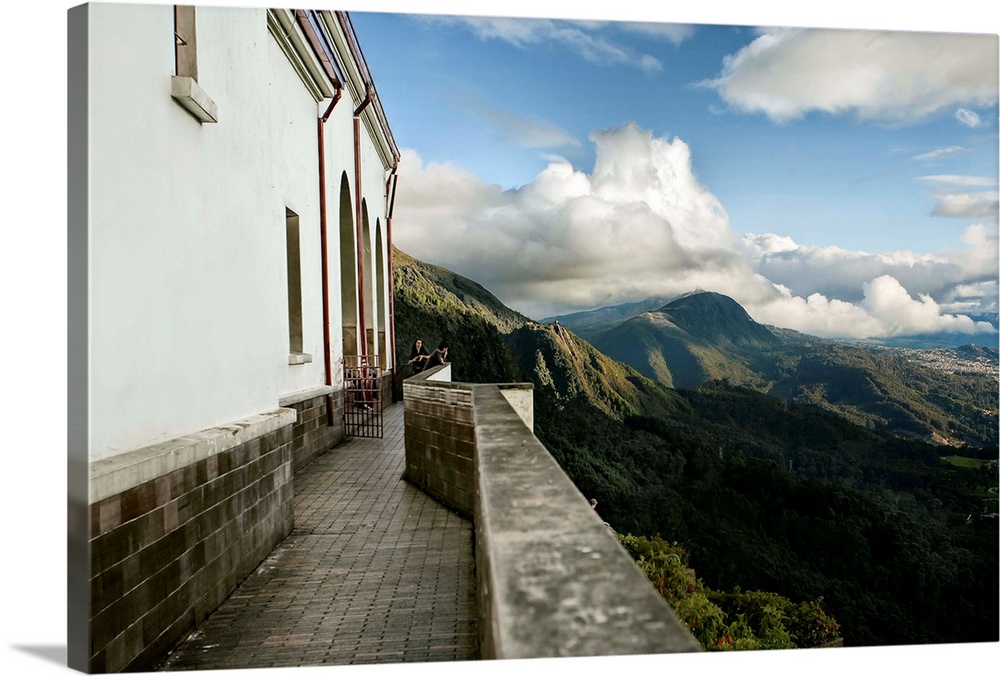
(380, 296)
(348, 271)
(369, 287)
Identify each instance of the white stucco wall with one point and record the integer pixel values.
(188, 302)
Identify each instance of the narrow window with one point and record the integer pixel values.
(294, 268)
(185, 42)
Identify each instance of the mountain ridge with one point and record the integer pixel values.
(706, 336)
(763, 493)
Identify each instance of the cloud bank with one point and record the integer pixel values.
(640, 224)
(896, 77)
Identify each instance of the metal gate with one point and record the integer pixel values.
(362, 396)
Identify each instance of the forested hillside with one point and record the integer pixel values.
(763, 493)
(706, 336)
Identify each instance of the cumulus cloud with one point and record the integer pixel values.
(954, 198)
(641, 224)
(897, 77)
(582, 38)
(842, 273)
(964, 205)
(834, 292)
(886, 309)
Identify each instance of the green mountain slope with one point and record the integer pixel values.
(689, 341)
(705, 336)
(591, 323)
(435, 304)
(570, 371)
(763, 493)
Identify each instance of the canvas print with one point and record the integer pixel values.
(402, 337)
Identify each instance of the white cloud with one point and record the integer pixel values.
(886, 309)
(950, 179)
(641, 224)
(887, 300)
(674, 33)
(955, 200)
(968, 205)
(841, 273)
(874, 75)
(968, 118)
(580, 37)
(848, 293)
(940, 154)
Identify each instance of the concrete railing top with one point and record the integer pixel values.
(553, 578)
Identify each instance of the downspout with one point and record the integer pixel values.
(362, 329)
(327, 361)
(390, 193)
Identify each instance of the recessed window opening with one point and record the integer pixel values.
(294, 268)
(185, 42)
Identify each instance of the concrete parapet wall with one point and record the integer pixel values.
(175, 527)
(521, 398)
(552, 578)
(439, 435)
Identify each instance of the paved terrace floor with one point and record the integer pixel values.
(375, 571)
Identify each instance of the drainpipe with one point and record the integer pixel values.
(328, 365)
(390, 193)
(362, 329)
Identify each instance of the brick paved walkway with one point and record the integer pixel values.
(374, 572)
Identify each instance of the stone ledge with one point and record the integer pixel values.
(193, 98)
(116, 474)
(557, 582)
(305, 395)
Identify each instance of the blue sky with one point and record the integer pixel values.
(483, 97)
(833, 174)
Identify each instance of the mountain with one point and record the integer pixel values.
(435, 304)
(489, 342)
(424, 283)
(701, 337)
(692, 339)
(571, 370)
(763, 493)
(591, 323)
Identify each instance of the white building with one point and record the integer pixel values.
(231, 183)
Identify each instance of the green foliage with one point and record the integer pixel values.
(960, 461)
(735, 620)
(805, 624)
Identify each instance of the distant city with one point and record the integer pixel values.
(952, 360)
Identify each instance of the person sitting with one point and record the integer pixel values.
(438, 356)
(418, 356)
